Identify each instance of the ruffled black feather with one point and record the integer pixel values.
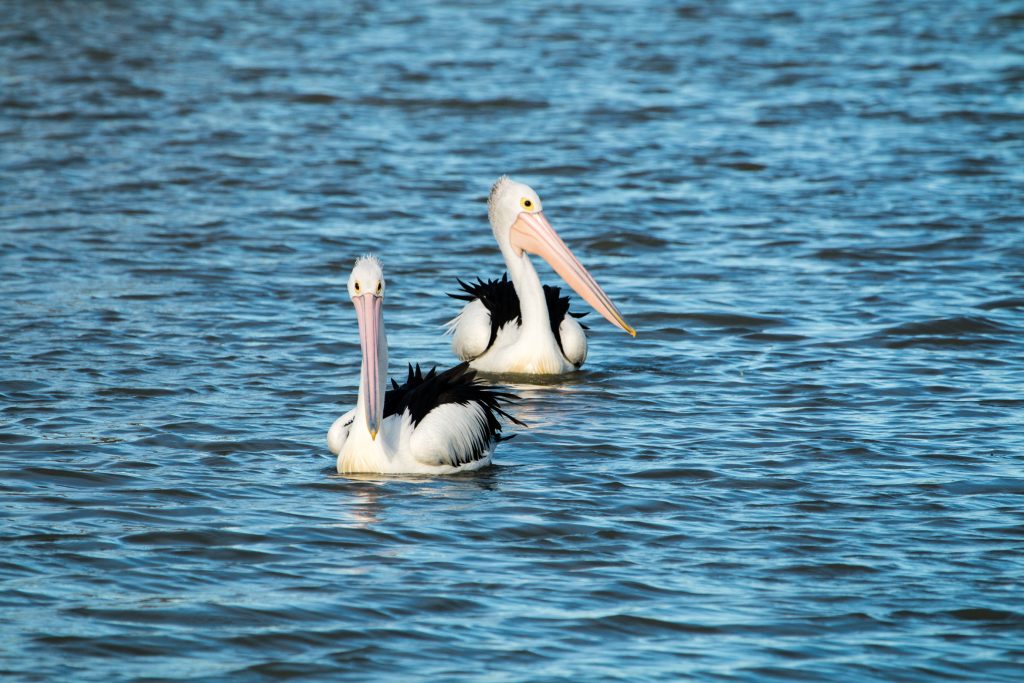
(421, 394)
(501, 301)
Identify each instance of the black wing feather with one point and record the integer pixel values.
(558, 308)
(498, 297)
(421, 393)
(501, 301)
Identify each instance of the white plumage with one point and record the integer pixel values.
(432, 424)
(522, 326)
(470, 330)
(574, 341)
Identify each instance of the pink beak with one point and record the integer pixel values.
(368, 313)
(531, 232)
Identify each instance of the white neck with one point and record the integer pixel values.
(532, 304)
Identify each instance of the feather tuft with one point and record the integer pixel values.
(502, 302)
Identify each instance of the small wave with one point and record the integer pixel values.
(982, 616)
(68, 477)
(743, 166)
(143, 392)
(489, 104)
(985, 614)
(132, 90)
(998, 486)
(134, 186)
(192, 537)
(962, 330)
(620, 242)
(856, 255)
(20, 386)
(640, 625)
(314, 98)
(1009, 302)
(946, 326)
(1013, 17)
(75, 646)
(732, 320)
(673, 473)
(769, 337)
(828, 569)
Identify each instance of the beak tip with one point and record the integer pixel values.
(373, 434)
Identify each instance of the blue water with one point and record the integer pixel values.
(809, 465)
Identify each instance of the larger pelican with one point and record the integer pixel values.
(521, 326)
(432, 424)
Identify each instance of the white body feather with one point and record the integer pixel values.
(574, 340)
(529, 346)
(447, 434)
(470, 330)
(516, 348)
(450, 436)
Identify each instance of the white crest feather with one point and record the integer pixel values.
(497, 190)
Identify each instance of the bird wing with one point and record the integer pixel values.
(454, 418)
(338, 433)
(572, 340)
(492, 305)
(452, 434)
(568, 331)
(471, 330)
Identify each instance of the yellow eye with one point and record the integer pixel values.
(357, 286)
(380, 288)
(526, 204)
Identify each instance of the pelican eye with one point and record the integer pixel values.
(380, 288)
(357, 286)
(526, 204)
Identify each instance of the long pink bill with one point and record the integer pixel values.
(531, 232)
(368, 312)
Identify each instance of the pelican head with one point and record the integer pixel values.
(519, 226)
(366, 288)
(367, 277)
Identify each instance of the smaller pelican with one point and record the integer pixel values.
(522, 326)
(432, 424)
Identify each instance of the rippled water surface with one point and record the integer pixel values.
(808, 466)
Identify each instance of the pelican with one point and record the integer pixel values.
(435, 423)
(521, 326)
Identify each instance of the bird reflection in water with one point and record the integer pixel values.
(366, 496)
